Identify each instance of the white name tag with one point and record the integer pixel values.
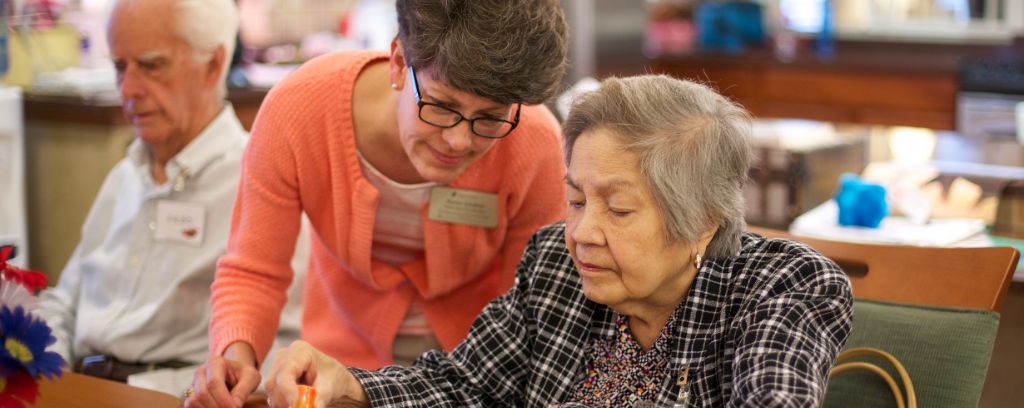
(460, 206)
(180, 222)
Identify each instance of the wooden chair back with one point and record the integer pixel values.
(951, 277)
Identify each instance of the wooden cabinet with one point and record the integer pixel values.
(65, 166)
(70, 146)
(885, 87)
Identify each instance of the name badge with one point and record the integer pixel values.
(179, 222)
(460, 206)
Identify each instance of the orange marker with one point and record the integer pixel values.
(307, 396)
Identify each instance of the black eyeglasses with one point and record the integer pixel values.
(442, 117)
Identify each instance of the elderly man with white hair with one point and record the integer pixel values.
(134, 295)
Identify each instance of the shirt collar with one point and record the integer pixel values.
(208, 146)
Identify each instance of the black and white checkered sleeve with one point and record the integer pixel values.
(788, 337)
(487, 369)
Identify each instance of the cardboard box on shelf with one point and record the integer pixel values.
(796, 168)
(1003, 182)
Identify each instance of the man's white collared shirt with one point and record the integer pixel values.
(123, 292)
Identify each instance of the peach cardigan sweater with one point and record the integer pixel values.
(302, 157)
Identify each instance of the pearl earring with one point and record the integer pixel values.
(394, 86)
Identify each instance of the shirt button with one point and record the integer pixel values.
(152, 225)
(133, 261)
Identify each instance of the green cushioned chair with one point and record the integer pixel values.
(946, 351)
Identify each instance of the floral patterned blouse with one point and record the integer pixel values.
(619, 372)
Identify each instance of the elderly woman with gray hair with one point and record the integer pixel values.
(649, 294)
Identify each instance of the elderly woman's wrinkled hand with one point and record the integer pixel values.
(300, 363)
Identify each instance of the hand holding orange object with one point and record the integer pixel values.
(300, 364)
(307, 397)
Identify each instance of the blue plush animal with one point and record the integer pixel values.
(860, 203)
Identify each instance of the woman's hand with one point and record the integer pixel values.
(300, 363)
(225, 381)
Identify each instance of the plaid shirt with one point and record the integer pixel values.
(759, 329)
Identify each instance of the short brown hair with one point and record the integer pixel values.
(505, 50)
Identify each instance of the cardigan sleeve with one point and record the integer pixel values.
(252, 278)
(789, 339)
(487, 369)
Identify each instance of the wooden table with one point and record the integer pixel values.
(73, 390)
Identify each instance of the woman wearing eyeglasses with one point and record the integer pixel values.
(423, 171)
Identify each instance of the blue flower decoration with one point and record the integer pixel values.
(23, 342)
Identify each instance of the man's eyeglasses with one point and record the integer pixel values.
(442, 117)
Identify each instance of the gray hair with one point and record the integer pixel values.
(205, 25)
(505, 50)
(693, 145)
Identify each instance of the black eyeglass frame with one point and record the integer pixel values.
(472, 122)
